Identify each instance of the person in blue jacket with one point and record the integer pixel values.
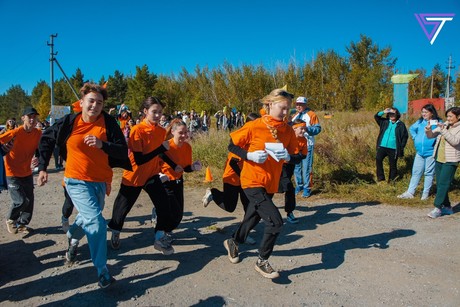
(423, 161)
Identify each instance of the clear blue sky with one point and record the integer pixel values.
(100, 37)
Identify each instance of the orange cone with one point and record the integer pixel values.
(208, 177)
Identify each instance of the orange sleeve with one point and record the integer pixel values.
(313, 118)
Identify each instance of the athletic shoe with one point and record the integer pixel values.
(169, 237)
(71, 254)
(23, 229)
(425, 196)
(11, 226)
(164, 246)
(297, 190)
(265, 269)
(291, 218)
(249, 240)
(154, 217)
(435, 213)
(406, 195)
(207, 198)
(447, 210)
(65, 224)
(115, 240)
(306, 194)
(105, 280)
(232, 250)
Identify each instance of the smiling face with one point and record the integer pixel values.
(30, 121)
(452, 118)
(91, 106)
(180, 134)
(300, 131)
(427, 115)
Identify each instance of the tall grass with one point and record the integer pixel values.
(344, 160)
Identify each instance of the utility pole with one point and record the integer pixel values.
(448, 76)
(52, 54)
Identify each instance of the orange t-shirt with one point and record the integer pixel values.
(301, 146)
(84, 162)
(229, 175)
(17, 161)
(144, 138)
(180, 155)
(254, 135)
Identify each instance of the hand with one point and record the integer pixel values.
(7, 146)
(163, 177)
(92, 141)
(42, 178)
(387, 110)
(34, 162)
(283, 155)
(258, 156)
(178, 169)
(165, 144)
(196, 166)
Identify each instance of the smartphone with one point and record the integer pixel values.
(433, 122)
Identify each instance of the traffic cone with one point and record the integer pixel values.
(208, 177)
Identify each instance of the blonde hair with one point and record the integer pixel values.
(275, 96)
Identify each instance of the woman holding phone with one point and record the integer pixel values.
(447, 156)
(424, 146)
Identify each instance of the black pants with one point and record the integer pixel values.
(262, 207)
(57, 158)
(175, 191)
(228, 199)
(127, 196)
(383, 152)
(287, 187)
(67, 207)
(22, 195)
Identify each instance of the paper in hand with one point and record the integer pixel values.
(271, 148)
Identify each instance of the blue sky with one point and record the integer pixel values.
(100, 37)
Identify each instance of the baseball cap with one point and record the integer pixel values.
(301, 99)
(30, 110)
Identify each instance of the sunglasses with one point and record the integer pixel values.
(286, 94)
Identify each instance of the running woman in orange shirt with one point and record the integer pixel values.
(91, 143)
(261, 174)
(173, 164)
(18, 163)
(146, 142)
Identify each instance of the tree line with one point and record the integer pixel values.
(360, 80)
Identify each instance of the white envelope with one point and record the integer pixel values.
(271, 148)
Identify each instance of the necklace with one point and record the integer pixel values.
(272, 128)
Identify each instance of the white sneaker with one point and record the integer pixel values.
(207, 198)
(406, 195)
(435, 213)
(425, 196)
(154, 217)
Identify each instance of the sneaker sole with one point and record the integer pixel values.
(165, 252)
(15, 231)
(267, 275)
(112, 280)
(232, 260)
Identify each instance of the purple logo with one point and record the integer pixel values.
(436, 21)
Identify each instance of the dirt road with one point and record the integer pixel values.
(340, 254)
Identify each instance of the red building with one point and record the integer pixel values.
(415, 106)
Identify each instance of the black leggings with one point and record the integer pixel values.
(127, 196)
(228, 199)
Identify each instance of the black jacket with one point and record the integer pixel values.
(59, 133)
(401, 133)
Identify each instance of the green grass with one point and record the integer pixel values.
(344, 162)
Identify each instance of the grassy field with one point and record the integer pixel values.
(344, 161)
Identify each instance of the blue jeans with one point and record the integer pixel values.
(88, 199)
(303, 174)
(422, 166)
